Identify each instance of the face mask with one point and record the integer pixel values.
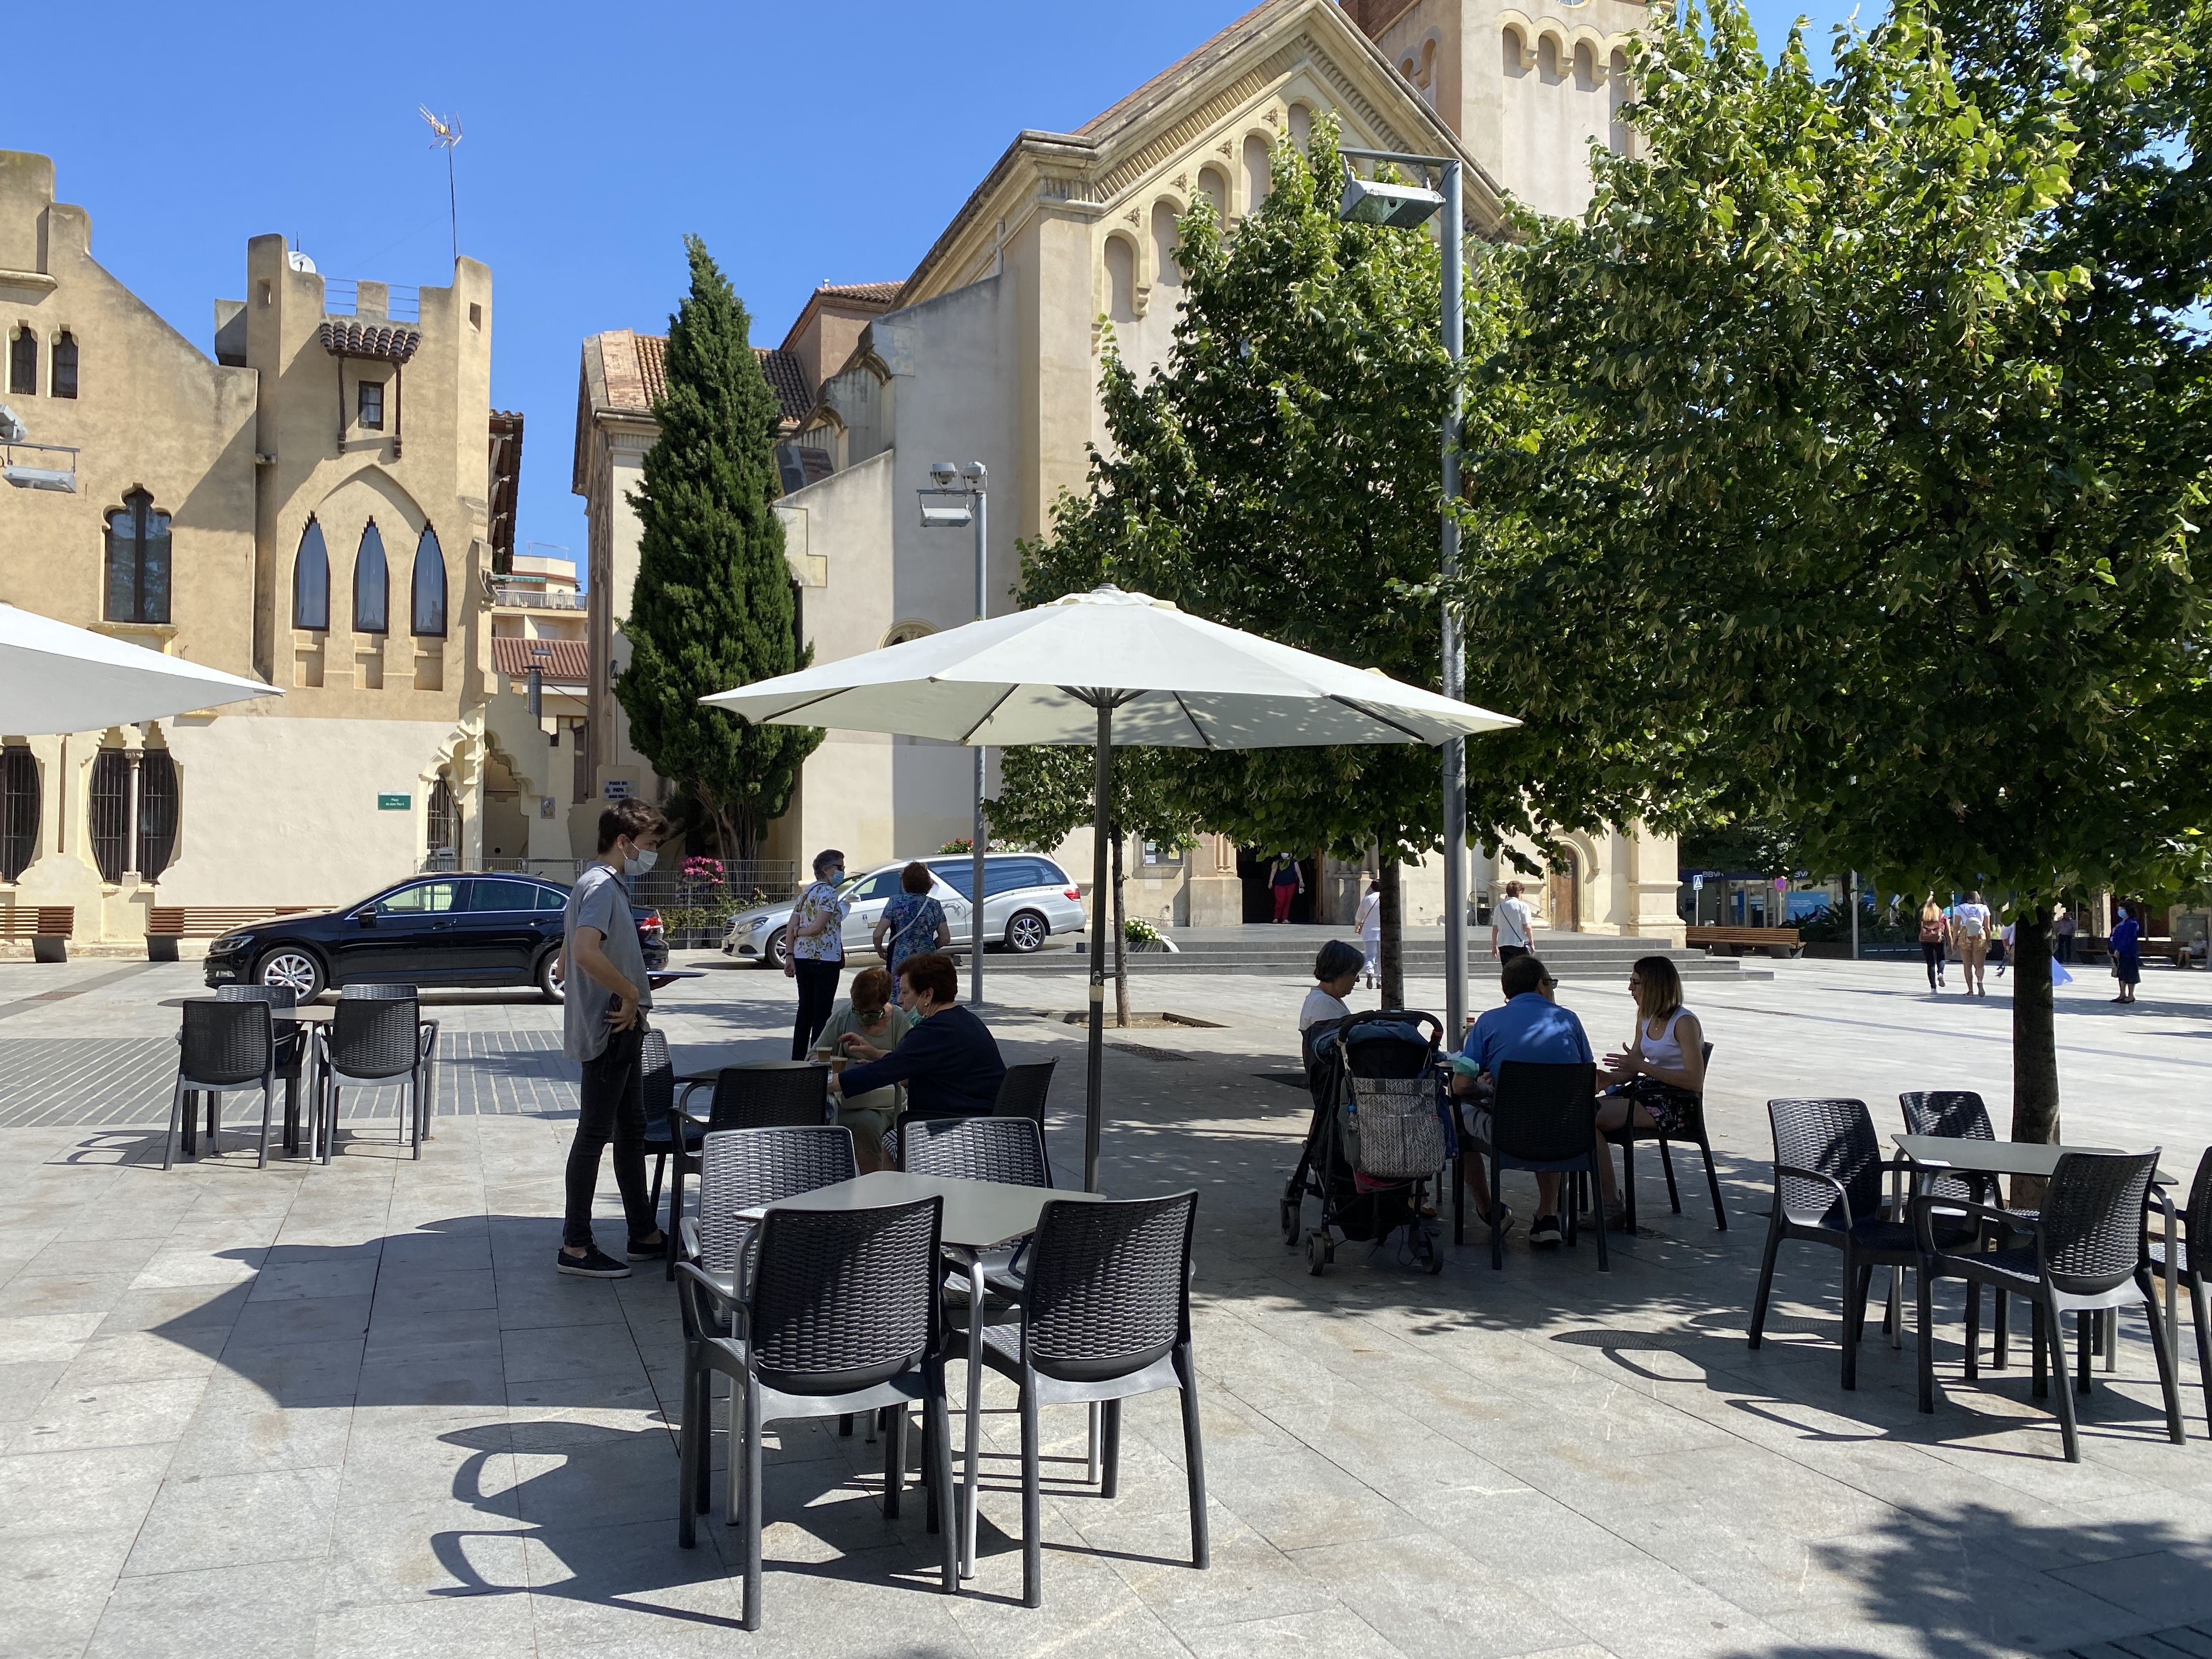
(644, 860)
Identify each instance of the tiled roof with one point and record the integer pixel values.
(343, 337)
(1216, 46)
(567, 662)
(883, 292)
(637, 390)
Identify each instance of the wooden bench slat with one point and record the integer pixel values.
(39, 921)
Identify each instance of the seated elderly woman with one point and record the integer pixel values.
(949, 1061)
(870, 1016)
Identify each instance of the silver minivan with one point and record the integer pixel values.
(1026, 900)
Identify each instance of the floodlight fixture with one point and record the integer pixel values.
(942, 473)
(12, 430)
(1397, 206)
(27, 465)
(972, 472)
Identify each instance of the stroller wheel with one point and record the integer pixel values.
(1317, 1253)
(1290, 1208)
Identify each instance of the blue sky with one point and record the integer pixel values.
(804, 143)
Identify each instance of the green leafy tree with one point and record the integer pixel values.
(1280, 473)
(1868, 448)
(1046, 792)
(712, 606)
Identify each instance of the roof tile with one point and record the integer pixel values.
(566, 662)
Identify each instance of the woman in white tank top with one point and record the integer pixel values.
(1658, 1080)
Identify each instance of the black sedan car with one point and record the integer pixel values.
(460, 929)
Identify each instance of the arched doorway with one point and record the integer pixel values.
(1564, 892)
(441, 828)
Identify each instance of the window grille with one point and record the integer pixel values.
(19, 810)
(157, 812)
(443, 821)
(111, 813)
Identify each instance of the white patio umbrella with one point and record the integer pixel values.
(1102, 668)
(54, 678)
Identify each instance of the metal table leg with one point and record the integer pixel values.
(974, 1414)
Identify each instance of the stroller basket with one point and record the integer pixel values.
(1394, 1131)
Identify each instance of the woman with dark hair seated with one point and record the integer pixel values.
(949, 1061)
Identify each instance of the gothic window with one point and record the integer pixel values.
(23, 363)
(442, 828)
(1259, 172)
(157, 812)
(1120, 280)
(372, 583)
(429, 587)
(311, 580)
(19, 810)
(369, 404)
(1166, 238)
(137, 560)
(111, 813)
(65, 365)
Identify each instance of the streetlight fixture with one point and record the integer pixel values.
(954, 498)
(1406, 207)
(40, 473)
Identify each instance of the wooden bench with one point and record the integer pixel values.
(1735, 941)
(48, 927)
(168, 923)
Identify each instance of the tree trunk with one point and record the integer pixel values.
(1394, 938)
(1121, 940)
(2034, 1045)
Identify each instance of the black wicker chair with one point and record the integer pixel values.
(2088, 1255)
(426, 1029)
(2186, 1265)
(1543, 1118)
(1010, 1150)
(839, 1314)
(782, 1096)
(1828, 1171)
(377, 1042)
(1022, 1092)
(291, 1039)
(663, 1122)
(1106, 1315)
(221, 1045)
(1695, 1134)
(1960, 1114)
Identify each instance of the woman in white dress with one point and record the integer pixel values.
(1369, 920)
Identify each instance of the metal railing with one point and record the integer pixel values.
(538, 598)
(341, 298)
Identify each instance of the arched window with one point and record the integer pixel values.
(23, 363)
(1425, 78)
(1166, 238)
(1120, 280)
(1516, 52)
(157, 812)
(65, 365)
(1585, 67)
(110, 818)
(1215, 185)
(429, 587)
(372, 583)
(19, 810)
(311, 579)
(137, 560)
(1301, 126)
(1259, 172)
(442, 828)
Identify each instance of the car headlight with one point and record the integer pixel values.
(230, 942)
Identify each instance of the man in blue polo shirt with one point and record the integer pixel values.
(1529, 1025)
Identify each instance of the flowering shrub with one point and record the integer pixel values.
(703, 869)
(963, 845)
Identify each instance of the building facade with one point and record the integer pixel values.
(991, 351)
(318, 502)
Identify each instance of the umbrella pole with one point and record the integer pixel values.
(1101, 795)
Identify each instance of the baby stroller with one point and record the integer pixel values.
(1377, 1139)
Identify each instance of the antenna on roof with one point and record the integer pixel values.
(445, 133)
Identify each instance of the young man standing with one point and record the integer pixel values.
(607, 994)
(1510, 923)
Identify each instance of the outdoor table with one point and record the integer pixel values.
(978, 1215)
(1932, 1155)
(311, 1015)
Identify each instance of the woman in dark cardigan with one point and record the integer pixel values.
(949, 1061)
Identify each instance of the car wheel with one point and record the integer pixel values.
(548, 976)
(291, 969)
(778, 950)
(1027, 931)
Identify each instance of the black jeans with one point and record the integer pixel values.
(2066, 949)
(818, 995)
(613, 1109)
(1931, 958)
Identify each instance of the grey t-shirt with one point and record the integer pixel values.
(599, 900)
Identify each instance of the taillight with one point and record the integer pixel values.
(652, 922)
(1076, 894)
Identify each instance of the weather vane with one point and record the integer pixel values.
(445, 133)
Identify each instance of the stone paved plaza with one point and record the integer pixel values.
(351, 1410)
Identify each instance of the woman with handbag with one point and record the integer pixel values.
(1934, 941)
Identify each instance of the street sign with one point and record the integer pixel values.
(394, 803)
(1698, 881)
(616, 788)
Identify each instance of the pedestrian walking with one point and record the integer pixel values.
(2062, 929)
(913, 922)
(1511, 922)
(1970, 925)
(2001, 952)
(2127, 951)
(1286, 882)
(814, 955)
(1934, 941)
(603, 1030)
(1369, 918)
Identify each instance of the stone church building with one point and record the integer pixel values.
(990, 350)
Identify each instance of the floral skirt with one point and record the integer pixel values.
(1671, 1108)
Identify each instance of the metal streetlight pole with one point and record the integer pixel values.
(1402, 206)
(973, 493)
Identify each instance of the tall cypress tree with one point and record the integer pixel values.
(714, 606)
